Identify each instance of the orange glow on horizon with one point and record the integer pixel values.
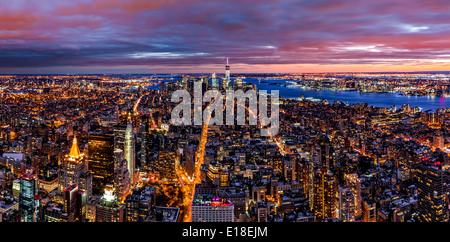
(323, 68)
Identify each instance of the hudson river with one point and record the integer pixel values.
(386, 100)
(353, 97)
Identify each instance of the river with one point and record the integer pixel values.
(386, 100)
(353, 97)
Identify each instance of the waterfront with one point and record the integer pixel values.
(387, 100)
(353, 97)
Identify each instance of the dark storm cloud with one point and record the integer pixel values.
(177, 33)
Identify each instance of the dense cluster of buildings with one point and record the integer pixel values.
(411, 84)
(85, 149)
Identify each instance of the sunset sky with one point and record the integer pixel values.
(171, 36)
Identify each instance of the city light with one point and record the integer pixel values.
(249, 114)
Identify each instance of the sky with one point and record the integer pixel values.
(176, 36)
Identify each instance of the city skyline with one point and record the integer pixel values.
(239, 112)
(105, 149)
(136, 36)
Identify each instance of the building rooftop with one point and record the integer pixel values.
(212, 202)
(167, 214)
(5, 205)
(74, 151)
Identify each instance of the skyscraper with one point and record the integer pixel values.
(214, 81)
(130, 150)
(119, 136)
(74, 204)
(354, 184)
(165, 165)
(324, 201)
(73, 171)
(108, 209)
(144, 129)
(121, 175)
(101, 161)
(431, 192)
(227, 72)
(29, 199)
(226, 81)
(345, 204)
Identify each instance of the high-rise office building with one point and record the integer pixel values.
(101, 161)
(431, 192)
(108, 208)
(345, 204)
(227, 72)
(226, 85)
(144, 129)
(124, 140)
(129, 148)
(324, 195)
(29, 199)
(74, 171)
(119, 136)
(353, 182)
(289, 168)
(121, 175)
(75, 204)
(165, 165)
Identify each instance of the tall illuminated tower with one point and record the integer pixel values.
(121, 175)
(74, 172)
(226, 83)
(431, 192)
(29, 199)
(227, 71)
(324, 200)
(129, 150)
(101, 161)
(144, 126)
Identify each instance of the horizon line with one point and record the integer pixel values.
(236, 73)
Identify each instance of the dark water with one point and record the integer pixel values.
(354, 97)
(386, 100)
